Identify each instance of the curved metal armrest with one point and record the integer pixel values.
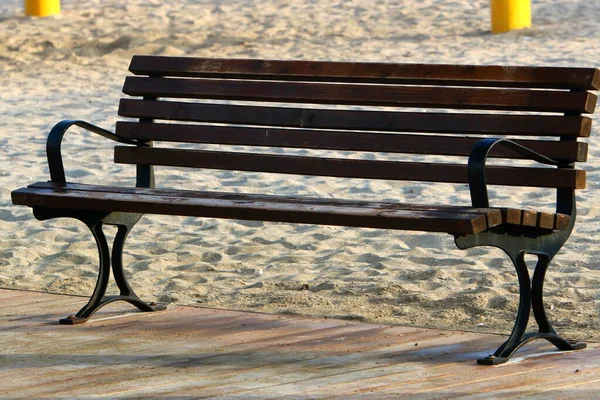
(54, 141)
(477, 161)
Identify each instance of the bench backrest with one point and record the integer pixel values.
(389, 108)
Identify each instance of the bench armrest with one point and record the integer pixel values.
(54, 141)
(477, 161)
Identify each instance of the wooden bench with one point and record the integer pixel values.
(468, 113)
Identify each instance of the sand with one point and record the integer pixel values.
(73, 65)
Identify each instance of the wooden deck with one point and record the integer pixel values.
(188, 352)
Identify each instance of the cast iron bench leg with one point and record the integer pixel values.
(95, 222)
(530, 290)
(531, 298)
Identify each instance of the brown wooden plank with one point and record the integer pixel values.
(562, 221)
(336, 140)
(513, 216)
(370, 120)
(359, 94)
(545, 220)
(335, 167)
(529, 218)
(493, 214)
(385, 218)
(494, 217)
(454, 75)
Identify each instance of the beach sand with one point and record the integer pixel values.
(72, 66)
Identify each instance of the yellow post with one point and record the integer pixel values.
(508, 15)
(42, 8)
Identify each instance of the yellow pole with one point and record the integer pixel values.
(508, 15)
(42, 8)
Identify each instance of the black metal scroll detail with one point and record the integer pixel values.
(54, 142)
(517, 242)
(107, 260)
(477, 161)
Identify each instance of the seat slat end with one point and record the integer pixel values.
(585, 127)
(513, 216)
(590, 104)
(529, 218)
(494, 218)
(562, 221)
(580, 179)
(545, 220)
(582, 152)
(479, 224)
(596, 79)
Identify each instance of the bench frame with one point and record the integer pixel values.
(515, 241)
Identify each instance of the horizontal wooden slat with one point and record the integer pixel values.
(304, 200)
(367, 169)
(337, 140)
(388, 216)
(361, 94)
(494, 216)
(459, 75)
(429, 122)
(545, 220)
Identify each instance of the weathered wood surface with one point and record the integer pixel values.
(340, 140)
(190, 352)
(435, 218)
(260, 207)
(349, 168)
(426, 74)
(367, 120)
(358, 94)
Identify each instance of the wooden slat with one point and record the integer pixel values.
(562, 221)
(360, 94)
(479, 124)
(529, 218)
(429, 122)
(389, 217)
(545, 220)
(459, 75)
(337, 140)
(366, 169)
(513, 216)
(493, 215)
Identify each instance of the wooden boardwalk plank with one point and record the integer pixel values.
(198, 352)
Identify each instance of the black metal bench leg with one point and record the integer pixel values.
(531, 298)
(95, 221)
(546, 331)
(99, 299)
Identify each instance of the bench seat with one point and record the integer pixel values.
(386, 215)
